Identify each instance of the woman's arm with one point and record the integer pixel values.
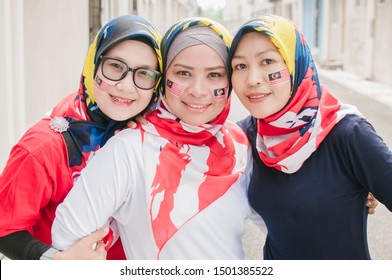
(98, 193)
(90, 247)
(21, 245)
(25, 189)
(371, 161)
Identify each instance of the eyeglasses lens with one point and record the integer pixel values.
(116, 70)
(145, 78)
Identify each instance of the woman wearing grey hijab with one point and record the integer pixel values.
(177, 187)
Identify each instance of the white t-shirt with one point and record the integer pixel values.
(113, 186)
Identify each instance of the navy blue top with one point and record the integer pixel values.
(319, 212)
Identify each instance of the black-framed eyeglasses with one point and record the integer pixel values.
(115, 69)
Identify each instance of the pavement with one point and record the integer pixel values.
(378, 91)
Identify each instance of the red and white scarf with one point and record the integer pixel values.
(287, 139)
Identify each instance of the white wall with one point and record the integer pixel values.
(161, 13)
(235, 13)
(12, 107)
(43, 52)
(382, 69)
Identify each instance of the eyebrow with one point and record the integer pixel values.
(257, 54)
(215, 68)
(206, 68)
(137, 66)
(182, 65)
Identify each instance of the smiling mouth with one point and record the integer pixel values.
(258, 96)
(195, 106)
(121, 100)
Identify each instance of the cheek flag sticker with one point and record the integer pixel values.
(220, 93)
(174, 88)
(279, 77)
(177, 90)
(101, 85)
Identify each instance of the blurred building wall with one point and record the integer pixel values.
(43, 51)
(350, 34)
(43, 47)
(368, 39)
(44, 43)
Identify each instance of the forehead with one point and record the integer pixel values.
(127, 45)
(134, 53)
(254, 41)
(193, 55)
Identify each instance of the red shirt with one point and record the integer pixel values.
(35, 181)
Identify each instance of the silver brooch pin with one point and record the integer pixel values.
(59, 124)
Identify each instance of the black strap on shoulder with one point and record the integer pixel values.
(71, 146)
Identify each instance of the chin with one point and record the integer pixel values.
(119, 118)
(257, 115)
(194, 123)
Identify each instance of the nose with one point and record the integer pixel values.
(255, 77)
(127, 84)
(198, 88)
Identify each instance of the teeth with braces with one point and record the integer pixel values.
(121, 100)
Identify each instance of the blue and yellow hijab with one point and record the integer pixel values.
(88, 127)
(311, 112)
(289, 42)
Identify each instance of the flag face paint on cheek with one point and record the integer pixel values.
(101, 85)
(177, 90)
(279, 77)
(174, 88)
(220, 93)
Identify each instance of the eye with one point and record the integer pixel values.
(117, 66)
(239, 66)
(183, 73)
(214, 75)
(142, 72)
(146, 74)
(268, 61)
